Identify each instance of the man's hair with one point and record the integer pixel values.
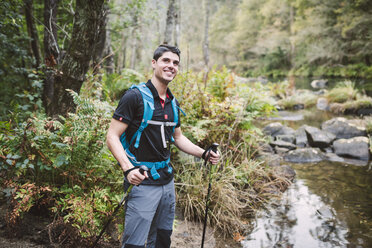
(166, 48)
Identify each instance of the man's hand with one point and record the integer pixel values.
(135, 177)
(214, 157)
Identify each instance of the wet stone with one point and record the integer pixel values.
(305, 155)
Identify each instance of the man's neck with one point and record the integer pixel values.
(160, 87)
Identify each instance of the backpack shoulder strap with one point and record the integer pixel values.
(148, 110)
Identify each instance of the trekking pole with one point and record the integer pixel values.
(142, 170)
(213, 147)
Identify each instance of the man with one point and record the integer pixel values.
(150, 207)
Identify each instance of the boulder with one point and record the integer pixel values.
(285, 171)
(280, 150)
(322, 104)
(319, 83)
(343, 129)
(334, 158)
(319, 138)
(320, 92)
(283, 144)
(356, 147)
(265, 148)
(271, 159)
(300, 136)
(304, 155)
(298, 106)
(286, 137)
(327, 150)
(276, 128)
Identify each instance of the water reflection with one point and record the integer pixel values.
(329, 205)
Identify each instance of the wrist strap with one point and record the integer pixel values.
(129, 170)
(204, 154)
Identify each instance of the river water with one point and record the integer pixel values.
(328, 205)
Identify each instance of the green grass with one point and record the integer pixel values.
(344, 91)
(238, 189)
(304, 97)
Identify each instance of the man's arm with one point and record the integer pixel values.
(114, 132)
(185, 145)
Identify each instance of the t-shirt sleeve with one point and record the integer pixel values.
(127, 107)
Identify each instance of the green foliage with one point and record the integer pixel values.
(115, 85)
(342, 92)
(369, 125)
(68, 154)
(301, 97)
(14, 57)
(310, 38)
(223, 109)
(224, 113)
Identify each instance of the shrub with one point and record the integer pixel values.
(69, 157)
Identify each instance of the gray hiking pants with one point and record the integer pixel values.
(149, 216)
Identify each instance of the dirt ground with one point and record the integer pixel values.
(34, 234)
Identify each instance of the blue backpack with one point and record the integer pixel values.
(148, 110)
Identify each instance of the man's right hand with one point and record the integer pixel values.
(135, 177)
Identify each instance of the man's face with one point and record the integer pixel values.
(166, 67)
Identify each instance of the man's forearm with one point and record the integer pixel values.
(117, 150)
(185, 145)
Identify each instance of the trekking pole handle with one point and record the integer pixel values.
(213, 147)
(142, 169)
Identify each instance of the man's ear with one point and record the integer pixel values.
(153, 62)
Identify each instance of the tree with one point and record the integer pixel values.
(70, 73)
(51, 53)
(32, 32)
(171, 13)
(206, 37)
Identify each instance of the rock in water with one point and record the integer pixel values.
(343, 129)
(319, 138)
(304, 155)
(356, 147)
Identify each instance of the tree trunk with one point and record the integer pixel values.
(109, 54)
(177, 20)
(134, 38)
(133, 58)
(88, 22)
(99, 48)
(291, 33)
(206, 38)
(206, 41)
(121, 59)
(157, 21)
(51, 52)
(32, 32)
(170, 22)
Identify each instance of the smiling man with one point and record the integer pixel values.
(145, 122)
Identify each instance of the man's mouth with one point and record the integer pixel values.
(169, 72)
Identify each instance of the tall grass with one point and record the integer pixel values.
(342, 92)
(223, 113)
(240, 185)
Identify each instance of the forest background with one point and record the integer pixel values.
(52, 140)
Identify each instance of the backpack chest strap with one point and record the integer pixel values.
(162, 132)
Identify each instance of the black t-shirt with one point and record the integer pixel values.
(151, 149)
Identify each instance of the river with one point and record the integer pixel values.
(328, 205)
